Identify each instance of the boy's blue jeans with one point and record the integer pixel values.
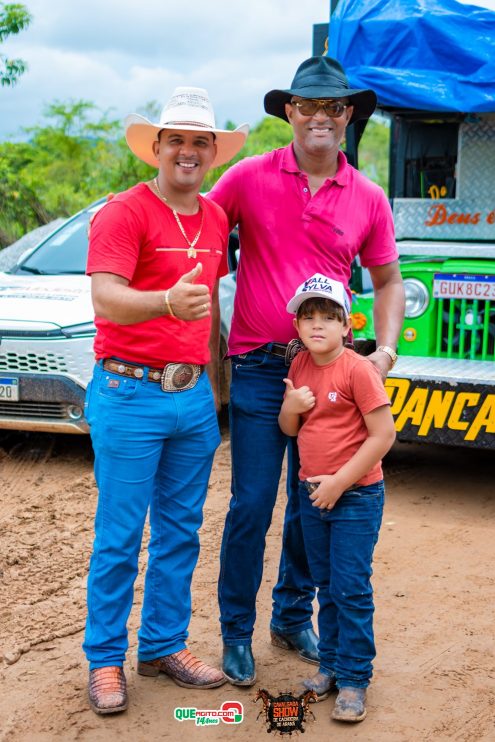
(153, 451)
(339, 545)
(258, 447)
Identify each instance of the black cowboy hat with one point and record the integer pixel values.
(321, 77)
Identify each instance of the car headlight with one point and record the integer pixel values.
(86, 329)
(417, 297)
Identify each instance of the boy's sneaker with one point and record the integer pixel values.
(321, 684)
(350, 704)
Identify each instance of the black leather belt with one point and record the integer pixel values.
(287, 352)
(276, 349)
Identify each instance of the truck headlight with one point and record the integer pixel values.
(417, 297)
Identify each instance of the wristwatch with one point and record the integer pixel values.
(390, 352)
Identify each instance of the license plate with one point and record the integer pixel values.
(9, 390)
(451, 286)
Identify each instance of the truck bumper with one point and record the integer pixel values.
(445, 401)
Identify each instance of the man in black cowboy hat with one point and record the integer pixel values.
(301, 209)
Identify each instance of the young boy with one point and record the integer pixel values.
(337, 406)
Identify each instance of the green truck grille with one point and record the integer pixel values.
(465, 329)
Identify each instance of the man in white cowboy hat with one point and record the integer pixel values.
(301, 210)
(156, 254)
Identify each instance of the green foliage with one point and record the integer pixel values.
(79, 155)
(374, 152)
(14, 17)
(269, 134)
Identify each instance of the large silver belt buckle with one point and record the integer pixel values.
(178, 377)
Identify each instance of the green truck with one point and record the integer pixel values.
(442, 191)
(442, 388)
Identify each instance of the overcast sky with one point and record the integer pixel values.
(121, 54)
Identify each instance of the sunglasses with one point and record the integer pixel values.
(310, 106)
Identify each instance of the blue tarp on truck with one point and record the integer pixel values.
(428, 55)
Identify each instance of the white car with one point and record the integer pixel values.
(47, 331)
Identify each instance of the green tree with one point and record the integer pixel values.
(269, 134)
(374, 152)
(77, 156)
(80, 155)
(14, 17)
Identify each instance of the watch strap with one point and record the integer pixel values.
(390, 352)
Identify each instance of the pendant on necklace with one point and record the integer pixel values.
(191, 252)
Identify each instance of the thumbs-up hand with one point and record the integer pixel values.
(289, 386)
(190, 301)
(299, 400)
(192, 275)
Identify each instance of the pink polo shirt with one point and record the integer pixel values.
(286, 236)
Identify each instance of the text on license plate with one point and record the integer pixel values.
(9, 390)
(447, 286)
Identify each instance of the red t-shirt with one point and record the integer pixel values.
(136, 236)
(331, 433)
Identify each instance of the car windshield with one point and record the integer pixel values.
(64, 252)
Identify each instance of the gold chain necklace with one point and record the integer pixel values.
(191, 253)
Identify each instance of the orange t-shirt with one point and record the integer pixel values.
(345, 390)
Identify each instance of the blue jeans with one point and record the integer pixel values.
(340, 544)
(153, 451)
(258, 447)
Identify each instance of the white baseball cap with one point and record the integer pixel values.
(322, 287)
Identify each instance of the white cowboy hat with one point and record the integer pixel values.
(189, 109)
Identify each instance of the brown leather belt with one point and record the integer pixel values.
(129, 369)
(173, 377)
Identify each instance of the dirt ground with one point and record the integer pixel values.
(434, 585)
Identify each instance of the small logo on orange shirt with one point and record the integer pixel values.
(332, 396)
